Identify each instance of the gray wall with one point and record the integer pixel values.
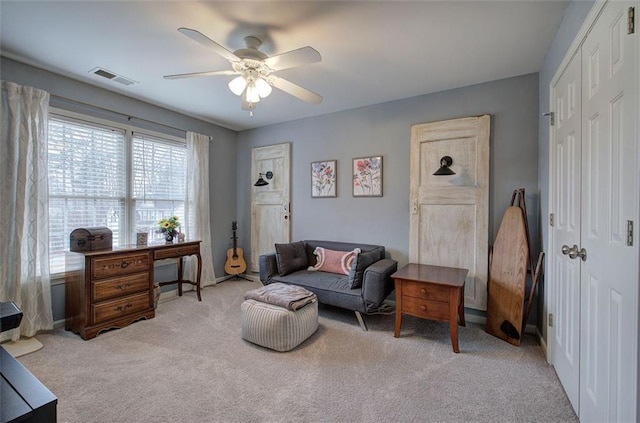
(385, 129)
(222, 151)
(574, 16)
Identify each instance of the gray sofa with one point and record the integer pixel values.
(362, 291)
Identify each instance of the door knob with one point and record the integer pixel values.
(582, 254)
(571, 252)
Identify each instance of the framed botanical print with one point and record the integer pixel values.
(367, 176)
(323, 179)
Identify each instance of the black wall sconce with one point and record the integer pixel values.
(445, 170)
(261, 182)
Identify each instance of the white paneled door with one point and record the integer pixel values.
(565, 272)
(595, 203)
(270, 214)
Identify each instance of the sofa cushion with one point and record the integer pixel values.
(360, 263)
(291, 257)
(333, 261)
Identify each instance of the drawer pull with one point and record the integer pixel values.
(124, 286)
(423, 308)
(423, 291)
(123, 308)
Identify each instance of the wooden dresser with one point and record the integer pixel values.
(108, 289)
(113, 288)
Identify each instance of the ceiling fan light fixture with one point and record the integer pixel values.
(252, 95)
(237, 85)
(263, 87)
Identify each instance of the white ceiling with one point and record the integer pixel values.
(372, 52)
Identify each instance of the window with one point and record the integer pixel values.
(105, 175)
(159, 178)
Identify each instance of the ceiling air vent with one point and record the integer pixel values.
(112, 76)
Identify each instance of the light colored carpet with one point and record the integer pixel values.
(189, 364)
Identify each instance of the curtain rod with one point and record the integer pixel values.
(129, 117)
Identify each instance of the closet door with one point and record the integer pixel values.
(565, 272)
(594, 182)
(609, 272)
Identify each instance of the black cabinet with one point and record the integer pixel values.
(23, 398)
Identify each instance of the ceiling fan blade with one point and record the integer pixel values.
(208, 42)
(293, 58)
(195, 74)
(295, 90)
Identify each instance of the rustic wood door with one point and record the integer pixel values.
(270, 213)
(449, 215)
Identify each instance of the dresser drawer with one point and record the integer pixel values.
(426, 309)
(124, 264)
(109, 310)
(105, 289)
(425, 291)
(172, 252)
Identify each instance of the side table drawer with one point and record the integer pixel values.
(114, 309)
(119, 287)
(426, 291)
(426, 309)
(173, 252)
(104, 267)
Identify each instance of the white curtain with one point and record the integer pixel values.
(198, 208)
(24, 239)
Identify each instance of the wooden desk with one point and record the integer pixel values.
(107, 289)
(179, 251)
(431, 292)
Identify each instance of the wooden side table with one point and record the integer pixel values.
(431, 292)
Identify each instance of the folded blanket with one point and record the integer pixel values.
(291, 297)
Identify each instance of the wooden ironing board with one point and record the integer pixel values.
(508, 276)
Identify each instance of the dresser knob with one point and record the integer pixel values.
(423, 291)
(423, 308)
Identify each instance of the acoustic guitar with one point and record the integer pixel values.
(235, 263)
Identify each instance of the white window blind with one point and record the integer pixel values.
(159, 178)
(87, 182)
(102, 175)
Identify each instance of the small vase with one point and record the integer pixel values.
(168, 237)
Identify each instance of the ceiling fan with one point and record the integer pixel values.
(255, 69)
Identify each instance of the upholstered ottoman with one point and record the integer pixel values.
(276, 327)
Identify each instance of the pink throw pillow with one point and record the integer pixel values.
(334, 261)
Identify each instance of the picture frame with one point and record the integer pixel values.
(367, 176)
(324, 179)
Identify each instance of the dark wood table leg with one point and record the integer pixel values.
(461, 308)
(454, 298)
(398, 325)
(198, 276)
(180, 277)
